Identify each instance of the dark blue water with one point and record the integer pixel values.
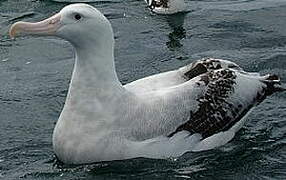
(35, 73)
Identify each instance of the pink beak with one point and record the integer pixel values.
(46, 27)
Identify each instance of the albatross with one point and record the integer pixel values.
(197, 107)
(166, 6)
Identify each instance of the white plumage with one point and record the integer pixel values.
(197, 107)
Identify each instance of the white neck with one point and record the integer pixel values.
(94, 74)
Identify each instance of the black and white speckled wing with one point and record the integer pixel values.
(179, 76)
(227, 97)
(226, 94)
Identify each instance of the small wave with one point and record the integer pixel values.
(22, 16)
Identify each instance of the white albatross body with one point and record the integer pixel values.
(197, 107)
(166, 6)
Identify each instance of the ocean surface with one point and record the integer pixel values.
(35, 73)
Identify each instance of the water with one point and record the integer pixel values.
(35, 73)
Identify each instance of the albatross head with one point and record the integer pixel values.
(88, 31)
(80, 24)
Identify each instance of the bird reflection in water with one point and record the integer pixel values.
(178, 33)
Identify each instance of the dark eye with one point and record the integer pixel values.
(77, 16)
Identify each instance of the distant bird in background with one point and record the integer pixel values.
(166, 6)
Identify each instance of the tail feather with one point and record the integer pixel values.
(273, 84)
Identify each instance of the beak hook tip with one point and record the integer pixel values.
(13, 31)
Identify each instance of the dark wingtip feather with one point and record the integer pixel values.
(280, 88)
(273, 84)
